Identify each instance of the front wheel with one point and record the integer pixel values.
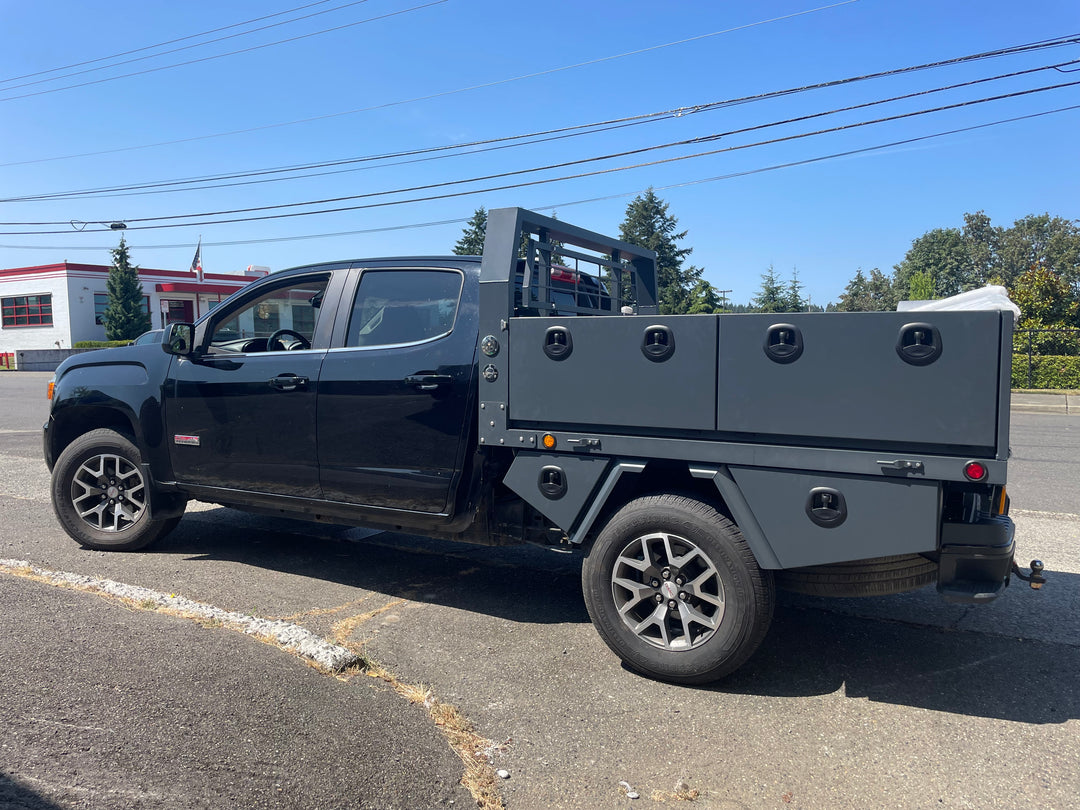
(101, 497)
(675, 592)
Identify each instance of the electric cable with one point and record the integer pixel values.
(544, 181)
(486, 145)
(163, 44)
(434, 95)
(188, 48)
(568, 204)
(386, 16)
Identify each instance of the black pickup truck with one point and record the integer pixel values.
(698, 462)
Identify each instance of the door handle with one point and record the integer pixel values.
(428, 382)
(288, 382)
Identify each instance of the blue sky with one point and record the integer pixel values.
(391, 84)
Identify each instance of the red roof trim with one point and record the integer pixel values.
(184, 287)
(100, 269)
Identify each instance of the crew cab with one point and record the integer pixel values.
(697, 462)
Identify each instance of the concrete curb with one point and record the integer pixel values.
(298, 640)
(1066, 402)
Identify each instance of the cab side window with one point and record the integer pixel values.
(394, 307)
(291, 312)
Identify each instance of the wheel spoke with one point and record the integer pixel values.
(639, 593)
(655, 619)
(689, 615)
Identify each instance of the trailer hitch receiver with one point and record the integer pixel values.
(1035, 579)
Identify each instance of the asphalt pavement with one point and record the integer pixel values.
(897, 701)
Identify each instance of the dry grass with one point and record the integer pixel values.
(471, 748)
(316, 612)
(341, 631)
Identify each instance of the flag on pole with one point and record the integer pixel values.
(196, 263)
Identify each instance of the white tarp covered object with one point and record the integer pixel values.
(988, 297)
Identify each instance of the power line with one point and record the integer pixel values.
(489, 144)
(162, 44)
(450, 195)
(231, 53)
(185, 48)
(568, 204)
(427, 97)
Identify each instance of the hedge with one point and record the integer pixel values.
(1047, 371)
(100, 344)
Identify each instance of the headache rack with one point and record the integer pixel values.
(565, 269)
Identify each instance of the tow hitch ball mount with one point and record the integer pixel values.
(1035, 579)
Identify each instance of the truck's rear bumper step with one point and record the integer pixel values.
(976, 559)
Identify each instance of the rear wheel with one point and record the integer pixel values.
(674, 590)
(101, 497)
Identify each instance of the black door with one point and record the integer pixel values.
(243, 415)
(394, 398)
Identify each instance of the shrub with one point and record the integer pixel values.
(1047, 371)
(100, 344)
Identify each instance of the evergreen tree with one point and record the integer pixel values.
(125, 315)
(471, 242)
(649, 225)
(704, 299)
(794, 301)
(882, 292)
(772, 297)
(856, 295)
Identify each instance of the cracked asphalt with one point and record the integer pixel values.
(887, 702)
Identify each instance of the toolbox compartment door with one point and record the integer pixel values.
(617, 372)
(844, 379)
(863, 518)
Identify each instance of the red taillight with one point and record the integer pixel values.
(975, 471)
(560, 273)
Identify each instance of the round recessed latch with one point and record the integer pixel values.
(658, 343)
(490, 346)
(491, 374)
(826, 507)
(552, 482)
(919, 344)
(558, 343)
(783, 343)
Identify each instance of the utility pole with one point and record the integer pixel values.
(723, 298)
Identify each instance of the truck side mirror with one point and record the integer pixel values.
(179, 339)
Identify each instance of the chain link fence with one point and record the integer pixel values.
(1046, 359)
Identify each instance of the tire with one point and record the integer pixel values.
(715, 603)
(100, 496)
(881, 577)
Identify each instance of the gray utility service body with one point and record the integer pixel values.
(698, 461)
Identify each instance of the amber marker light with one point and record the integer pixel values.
(51, 390)
(548, 441)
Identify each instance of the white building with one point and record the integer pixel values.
(53, 306)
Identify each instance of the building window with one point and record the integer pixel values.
(27, 310)
(101, 301)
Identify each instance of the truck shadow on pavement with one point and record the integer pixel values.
(17, 796)
(520, 583)
(809, 651)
